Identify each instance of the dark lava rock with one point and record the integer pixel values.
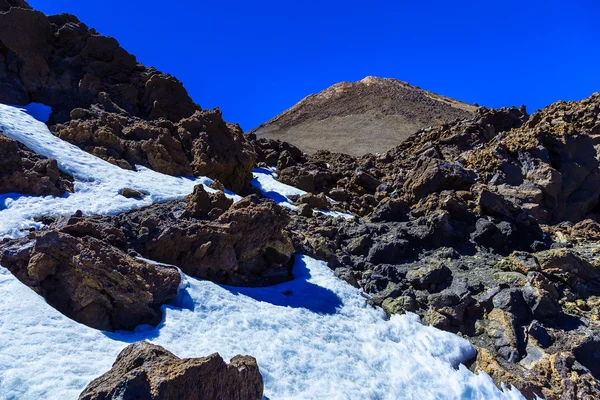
(315, 201)
(131, 193)
(432, 175)
(511, 300)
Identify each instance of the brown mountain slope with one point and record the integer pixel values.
(368, 116)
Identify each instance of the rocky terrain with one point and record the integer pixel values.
(484, 222)
(91, 269)
(486, 227)
(107, 103)
(368, 116)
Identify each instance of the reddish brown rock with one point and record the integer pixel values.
(146, 371)
(119, 110)
(201, 145)
(244, 244)
(90, 280)
(57, 60)
(22, 171)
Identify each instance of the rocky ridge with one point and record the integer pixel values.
(95, 269)
(486, 227)
(110, 105)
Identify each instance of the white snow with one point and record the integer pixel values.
(97, 183)
(319, 342)
(314, 337)
(264, 180)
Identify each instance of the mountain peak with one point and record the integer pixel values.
(373, 114)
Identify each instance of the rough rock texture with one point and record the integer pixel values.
(550, 165)
(243, 244)
(58, 61)
(201, 145)
(22, 171)
(91, 281)
(371, 115)
(146, 371)
(90, 269)
(110, 105)
(453, 228)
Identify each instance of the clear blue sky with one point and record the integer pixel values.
(254, 59)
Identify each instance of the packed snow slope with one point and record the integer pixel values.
(321, 341)
(314, 337)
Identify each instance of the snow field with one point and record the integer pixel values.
(321, 341)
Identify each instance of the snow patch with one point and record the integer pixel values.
(264, 181)
(314, 338)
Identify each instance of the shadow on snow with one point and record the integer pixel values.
(298, 293)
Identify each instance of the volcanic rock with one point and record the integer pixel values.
(147, 371)
(91, 281)
(201, 145)
(118, 109)
(25, 172)
(60, 62)
(243, 244)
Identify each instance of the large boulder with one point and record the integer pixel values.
(91, 281)
(431, 175)
(146, 371)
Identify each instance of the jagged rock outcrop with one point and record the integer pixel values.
(90, 280)
(146, 371)
(243, 244)
(90, 268)
(58, 61)
(110, 105)
(549, 165)
(367, 116)
(200, 145)
(25, 172)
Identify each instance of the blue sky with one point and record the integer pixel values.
(255, 59)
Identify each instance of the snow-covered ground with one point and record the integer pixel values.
(314, 337)
(320, 342)
(97, 182)
(264, 180)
